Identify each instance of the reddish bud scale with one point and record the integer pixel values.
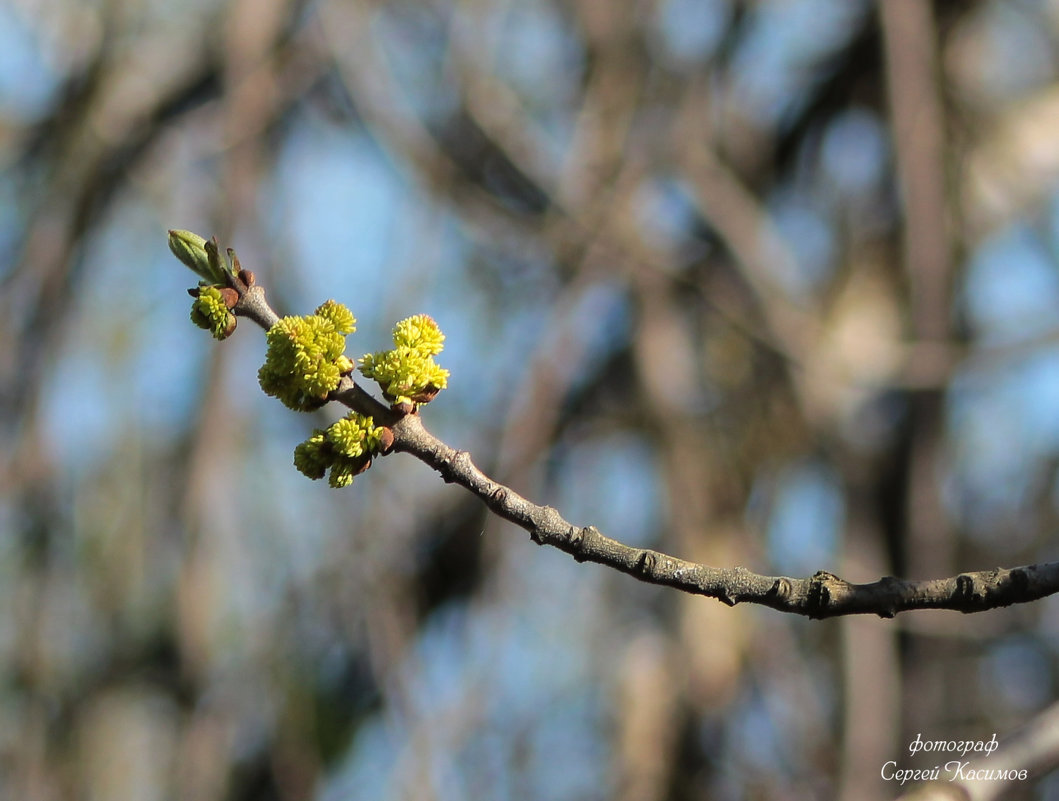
(427, 395)
(229, 296)
(385, 440)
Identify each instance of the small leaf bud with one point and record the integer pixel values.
(190, 249)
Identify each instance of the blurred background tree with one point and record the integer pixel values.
(765, 283)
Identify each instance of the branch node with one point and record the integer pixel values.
(819, 597)
(647, 562)
(964, 588)
(447, 466)
(781, 589)
(498, 497)
(576, 537)
(891, 589)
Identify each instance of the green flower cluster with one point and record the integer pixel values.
(305, 358)
(209, 311)
(346, 448)
(407, 374)
(420, 333)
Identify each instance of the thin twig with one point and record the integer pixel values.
(821, 595)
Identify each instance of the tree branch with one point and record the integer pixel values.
(819, 596)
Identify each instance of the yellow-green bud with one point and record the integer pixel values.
(407, 374)
(421, 333)
(312, 457)
(209, 311)
(354, 436)
(339, 315)
(305, 358)
(345, 449)
(341, 475)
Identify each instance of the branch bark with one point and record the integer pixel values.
(821, 595)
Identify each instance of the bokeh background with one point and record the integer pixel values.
(765, 283)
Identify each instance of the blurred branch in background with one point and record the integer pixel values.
(770, 284)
